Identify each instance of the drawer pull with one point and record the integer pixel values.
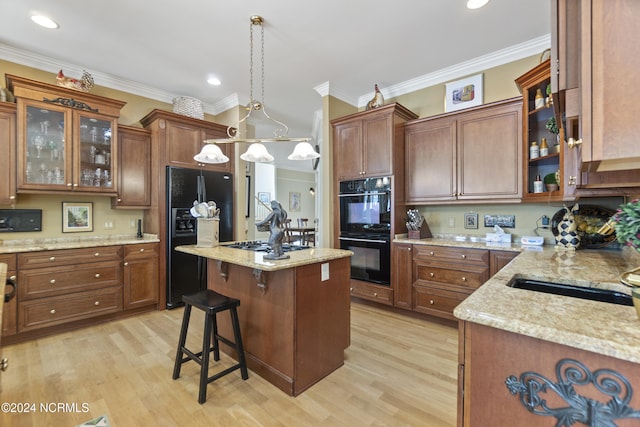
(4, 364)
(375, 294)
(96, 303)
(52, 258)
(464, 279)
(463, 256)
(431, 253)
(13, 277)
(431, 274)
(350, 289)
(126, 264)
(52, 281)
(97, 275)
(97, 254)
(141, 249)
(431, 302)
(53, 311)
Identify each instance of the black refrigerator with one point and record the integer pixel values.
(188, 273)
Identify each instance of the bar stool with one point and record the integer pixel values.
(211, 303)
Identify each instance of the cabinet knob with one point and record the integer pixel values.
(4, 364)
(464, 279)
(409, 249)
(69, 184)
(431, 274)
(141, 249)
(52, 281)
(463, 256)
(431, 253)
(350, 289)
(52, 258)
(97, 303)
(11, 198)
(118, 199)
(13, 277)
(572, 143)
(375, 294)
(97, 275)
(75, 185)
(573, 180)
(53, 311)
(431, 302)
(96, 254)
(126, 264)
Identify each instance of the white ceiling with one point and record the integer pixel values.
(162, 49)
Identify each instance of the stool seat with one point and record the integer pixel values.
(211, 303)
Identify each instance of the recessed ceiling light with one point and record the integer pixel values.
(476, 4)
(214, 81)
(44, 21)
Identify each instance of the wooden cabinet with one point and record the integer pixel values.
(559, 159)
(488, 357)
(8, 149)
(499, 259)
(66, 140)
(140, 275)
(401, 274)
(10, 309)
(471, 156)
(134, 169)
(369, 143)
(371, 291)
(591, 83)
(178, 138)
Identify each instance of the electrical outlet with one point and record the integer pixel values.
(132, 223)
(452, 222)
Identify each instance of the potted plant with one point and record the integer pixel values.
(552, 127)
(550, 182)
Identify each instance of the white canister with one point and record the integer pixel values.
(538, 186)
(534, 150)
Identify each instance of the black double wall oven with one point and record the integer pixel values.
(365, 227)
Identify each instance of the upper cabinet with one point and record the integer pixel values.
(134, 169)
(178, 138)
(66, 140)
(8, 148)
(472, 155)
(555, 161)
(369, 143)
(594, 53)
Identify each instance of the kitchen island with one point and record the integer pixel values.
(294, 313)
(512, 339)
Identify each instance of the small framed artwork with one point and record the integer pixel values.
(77, 217)
(294, 201)
(471, 220)
(264, 197)
(463, 93)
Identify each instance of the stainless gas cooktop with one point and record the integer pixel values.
(261, 246)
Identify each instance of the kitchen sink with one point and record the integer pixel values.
(593, 294)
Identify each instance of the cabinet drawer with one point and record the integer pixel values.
(381, 294)
(68, 256)
(65, 308)
(45, 282)
(437, 302)
(444, 253)
(10, 260)
(465, 276)
(142, 250)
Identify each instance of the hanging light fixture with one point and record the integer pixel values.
(257, 152)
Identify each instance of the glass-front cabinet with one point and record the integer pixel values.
(66, 139)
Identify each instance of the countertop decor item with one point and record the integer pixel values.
(589, 219)
(627, 224)
(83, 84)
(377, 100)
(187, 106)
(550, 182)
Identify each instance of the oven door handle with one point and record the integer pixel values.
(353, 239)
(362, 194)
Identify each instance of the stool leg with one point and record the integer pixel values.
(181, 342)
(214, 335)
(239, 347)
(206, 349)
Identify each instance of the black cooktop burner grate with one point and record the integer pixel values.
(261, 246)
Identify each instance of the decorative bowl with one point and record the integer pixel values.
(635, 293)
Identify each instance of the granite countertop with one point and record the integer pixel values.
(33, 245)
(256, 260)
(462, 242)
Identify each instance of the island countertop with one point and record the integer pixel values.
(256, 260)
(603, 328)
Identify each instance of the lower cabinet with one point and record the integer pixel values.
(140, 275)
(60, 287)
(435, 279)
(372, 292)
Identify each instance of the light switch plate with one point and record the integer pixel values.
(324, 271)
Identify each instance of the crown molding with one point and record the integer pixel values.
(479, 64)
(325, 89)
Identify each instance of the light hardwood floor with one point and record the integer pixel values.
(399, 371)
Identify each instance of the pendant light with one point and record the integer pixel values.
(257, 152)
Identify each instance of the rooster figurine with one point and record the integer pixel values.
(377, 101)
(84, 84)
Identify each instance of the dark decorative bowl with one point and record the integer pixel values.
(589, 220)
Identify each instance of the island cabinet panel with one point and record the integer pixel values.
(10, 309)
(295, 325)
(499, 259)
(489, 356)
(401, 274)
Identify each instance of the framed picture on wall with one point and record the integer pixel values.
(77, 217)
(294, 201)
(471, 220)
(463, 93)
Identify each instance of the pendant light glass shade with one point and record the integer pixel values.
(211, 153)
(257, 152)
(303, 151)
